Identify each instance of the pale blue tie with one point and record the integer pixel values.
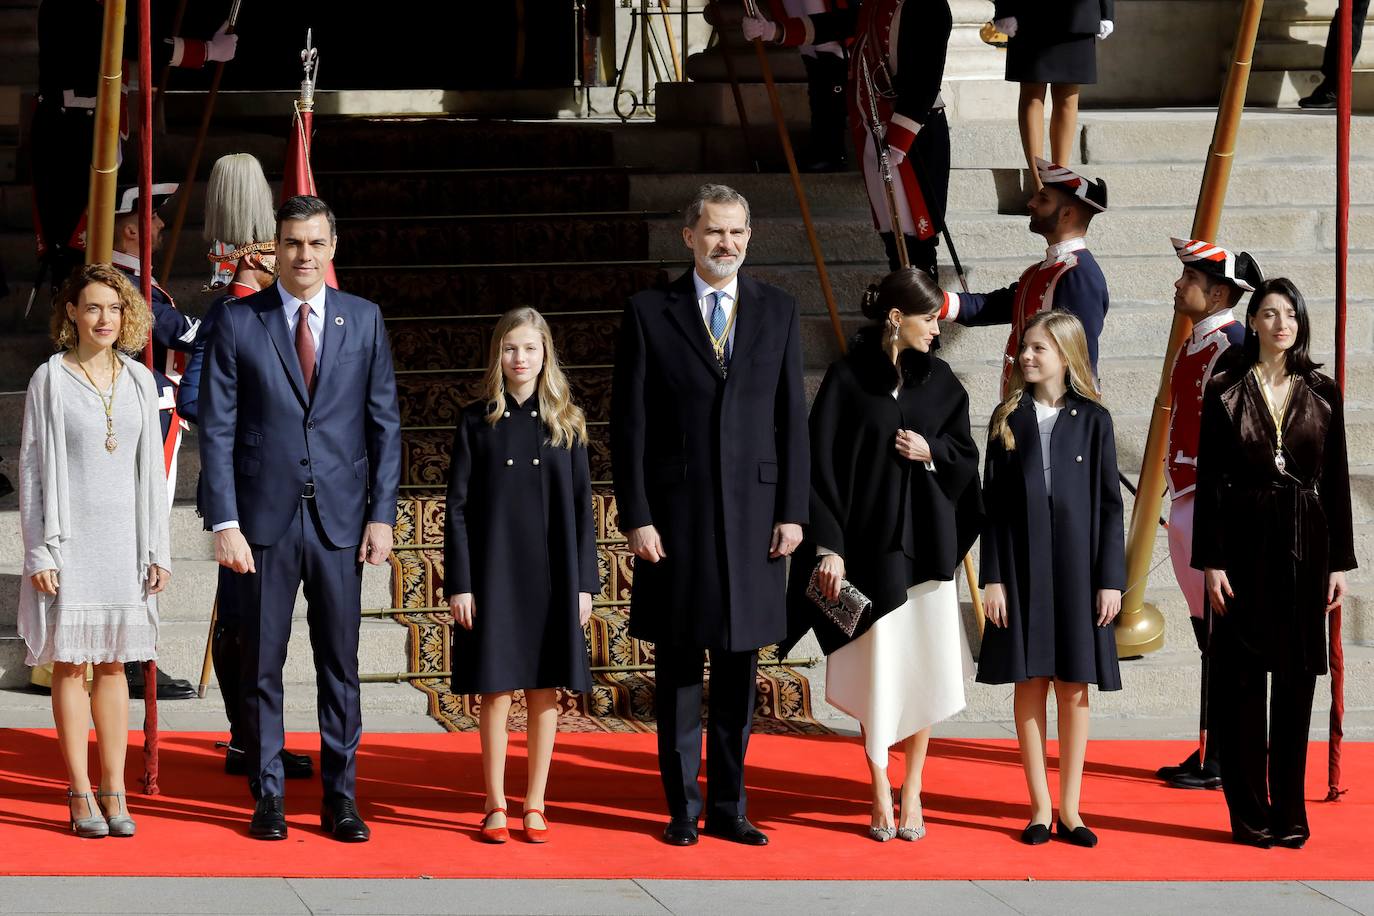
(718, 322)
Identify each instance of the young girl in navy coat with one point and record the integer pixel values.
(1053, 558)
(520, 563)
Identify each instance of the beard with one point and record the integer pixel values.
(1041, 225)
(720, 269)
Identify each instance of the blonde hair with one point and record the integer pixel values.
(565, 421)
(135, 320)
(1066, 333)
(238, 202)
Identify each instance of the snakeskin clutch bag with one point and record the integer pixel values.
(845, 611)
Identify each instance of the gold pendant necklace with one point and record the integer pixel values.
(111, 441)
(718, 344)
(1277, 415)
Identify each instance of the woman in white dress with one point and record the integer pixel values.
(895, 505)
(93, 508)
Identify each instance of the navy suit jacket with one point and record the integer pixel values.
(263, 437)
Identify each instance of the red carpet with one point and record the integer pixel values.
(422, 795)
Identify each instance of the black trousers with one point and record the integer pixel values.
(677, 704)
(333, 582)
(1359, 9)
(827, 76)
(1263, 764)
(1210, 697)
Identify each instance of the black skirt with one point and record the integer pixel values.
(1055, 59)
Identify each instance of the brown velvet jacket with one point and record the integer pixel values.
(1277, 534)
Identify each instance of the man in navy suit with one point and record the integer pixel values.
(301, 446)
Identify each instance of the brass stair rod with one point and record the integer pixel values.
(399, 676)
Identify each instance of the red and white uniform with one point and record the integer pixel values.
(1068, 278)
(1194, 364)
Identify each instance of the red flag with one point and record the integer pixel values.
(298, 177)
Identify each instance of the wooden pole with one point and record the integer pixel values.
(672, 42)
(1336, 651)
(733, 76)
(177, 21)
(207, 663)
(105, 152)
(1140, 629)
(821, 273)
(192, 166)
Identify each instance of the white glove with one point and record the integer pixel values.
(1006, 26)
(756, 28)
(895, 157)
(1104, 28)
(222, 45)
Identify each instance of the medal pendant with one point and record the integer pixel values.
(111, 443)
(1279, 462)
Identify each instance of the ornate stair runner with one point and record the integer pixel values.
(537, 215)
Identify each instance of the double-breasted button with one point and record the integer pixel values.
(304, 462)
(536, 462)
(506, 414)
(1073, 411)
(510, 462)
(1079, 459)
(534, 413)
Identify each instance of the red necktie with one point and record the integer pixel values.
(305, 347)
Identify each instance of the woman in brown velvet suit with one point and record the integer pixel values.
(1272, 532)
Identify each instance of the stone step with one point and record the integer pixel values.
(1300, 46)
(1281, 88)
(181, 651)
(1273, 231)
(1140, 279)
(1005, 190)
(1134, 330)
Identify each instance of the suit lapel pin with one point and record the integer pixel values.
(338, 319)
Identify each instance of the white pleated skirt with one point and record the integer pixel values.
(906, 672)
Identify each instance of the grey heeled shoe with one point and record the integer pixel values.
(883, 834)
(912, 834)
(92, 826)
(119, 824)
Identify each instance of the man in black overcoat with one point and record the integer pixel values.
(712, 472)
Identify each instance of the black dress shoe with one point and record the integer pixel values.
(1078, 836)
(680, 832)
(1195, 779)
(1322, 98)
(1036, 834)
(1188, 766)
(1291, 840)
(168, 688)
(736, 830)
(269, 819)
(340, 819)
(1263, 839)
(295, 766)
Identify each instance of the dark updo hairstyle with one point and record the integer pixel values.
(910, 290)
(1299, 361)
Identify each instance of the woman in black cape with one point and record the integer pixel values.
(1272, 533)
(895, 505)
(1053, 558)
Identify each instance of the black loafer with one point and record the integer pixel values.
(1195, 779)
(1321, 99)
(269, 819)
(1078, 836)
(1291, 840)
(168, 688)
(340, 819)
(736, 830)
(1036, 834)
(1188, 766)
(680, 832)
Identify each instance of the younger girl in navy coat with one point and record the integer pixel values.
(520, 564)
(1053, 557)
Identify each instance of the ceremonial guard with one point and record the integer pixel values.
(70, 34)
(896, 65)
(1068, 278)
(827, 77)
(1212, 283)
